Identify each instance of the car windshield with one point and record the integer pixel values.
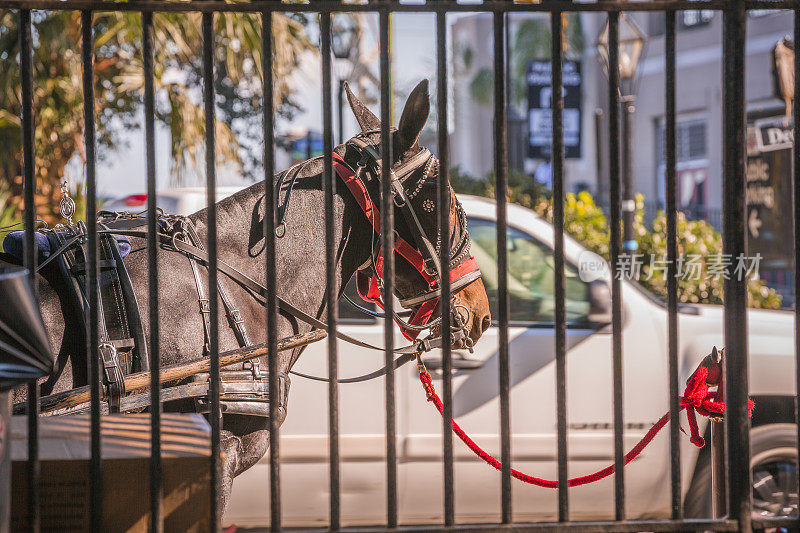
(531, 276)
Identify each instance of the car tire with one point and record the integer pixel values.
(773, 458)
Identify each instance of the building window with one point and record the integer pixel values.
(691, 166)
(690, 141)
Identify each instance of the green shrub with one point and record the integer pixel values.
(586, 222)
(697, 239)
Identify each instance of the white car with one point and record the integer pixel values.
(304, 434)
(181, 201)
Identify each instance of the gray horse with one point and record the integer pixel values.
(300, 275)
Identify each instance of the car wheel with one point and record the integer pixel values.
(773, 459)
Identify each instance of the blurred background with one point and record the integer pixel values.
(297, 81)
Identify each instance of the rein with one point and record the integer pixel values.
(696, 399)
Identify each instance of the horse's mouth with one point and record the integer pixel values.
(460, 341)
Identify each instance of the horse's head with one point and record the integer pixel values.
(415, 174)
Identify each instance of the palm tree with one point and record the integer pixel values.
(58, 100)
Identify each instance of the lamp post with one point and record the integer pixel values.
(632, 46)
(344, 32)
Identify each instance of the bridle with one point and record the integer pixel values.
(424, 257)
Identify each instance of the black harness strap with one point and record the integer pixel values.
(257, 290)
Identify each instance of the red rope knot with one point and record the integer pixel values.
(698, 399)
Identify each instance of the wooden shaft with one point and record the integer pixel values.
(177, 371)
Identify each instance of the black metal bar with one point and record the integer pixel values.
(629, 243)
(29, 181)
(156, 472)
(270, 270)
(332, 290)
(733, 191)
(340, 110)
(443, 190)
(672, 268)
(719, 503)
(796, 171)
(598, 154)
(601, 526)
(95, 462)
(30, 255)
(557, 104)
(211, 206)
(782, 523)
(614, 253)
(441, 6)
(387, 243)
(503, 308)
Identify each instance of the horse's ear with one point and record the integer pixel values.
(414, 117)
(366, 118)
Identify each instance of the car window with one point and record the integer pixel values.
(530, 276)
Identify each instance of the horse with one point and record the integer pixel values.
(300, 268)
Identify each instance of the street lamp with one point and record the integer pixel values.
(632, 48)
(344, 32)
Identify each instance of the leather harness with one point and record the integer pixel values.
(245, 390)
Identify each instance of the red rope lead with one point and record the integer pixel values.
(696, 397)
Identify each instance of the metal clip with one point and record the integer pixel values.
(67, 205)
(420, 363)
(280, 231)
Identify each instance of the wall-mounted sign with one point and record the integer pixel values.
(772, 134)
(540, 114)
(768, 197)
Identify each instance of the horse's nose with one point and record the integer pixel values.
(485, 322)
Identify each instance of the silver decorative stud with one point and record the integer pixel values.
(428, 206)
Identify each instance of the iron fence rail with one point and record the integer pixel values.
(737, 468)
(387, 242)
(503, 304)
(329, 6)
(30, 255)
(156, 466)
(270, 275)
(672, 267)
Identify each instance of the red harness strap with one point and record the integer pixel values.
(368, 287)
(696, 398)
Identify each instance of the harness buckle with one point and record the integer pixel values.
(114, 379)
(236, 317)
(429, 264)
(205, 306)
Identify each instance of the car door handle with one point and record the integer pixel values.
(459, 363)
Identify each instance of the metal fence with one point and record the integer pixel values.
(736, 384)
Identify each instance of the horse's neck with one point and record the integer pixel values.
(300, 253)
